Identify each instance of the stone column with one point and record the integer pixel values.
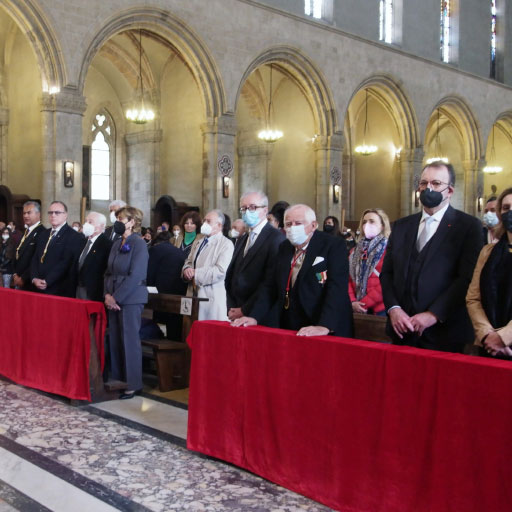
(4, 124)
(328, 160)
(218, 161)
(347, 186)
(143, 170)
(254, 167)
(62, 141)
(472, 169)
(411, 160)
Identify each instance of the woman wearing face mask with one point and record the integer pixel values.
(365, 263)
(190, 230)
(489, 297)
(125, 296)
(332, 226)
(7, 255)
(490, 221)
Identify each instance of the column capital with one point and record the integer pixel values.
(332, 142)
(143, 137)
(68, 100)
(224, 124)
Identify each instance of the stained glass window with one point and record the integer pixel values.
(493, 39)
(445, 30)
(386, 20)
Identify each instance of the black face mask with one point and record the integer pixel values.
(431, 198)
(328, 228)
(119, 227)
(506, 220)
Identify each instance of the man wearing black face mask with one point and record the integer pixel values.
(428, 266)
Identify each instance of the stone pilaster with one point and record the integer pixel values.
(347, 187)
(328, 160)
(218, 161)
(4, 126)
(411, 160)
(254, 167)
(473, 176)
(143, 170)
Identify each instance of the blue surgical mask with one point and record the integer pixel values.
(251, 218)
(490, 219)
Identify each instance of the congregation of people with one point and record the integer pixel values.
(442, 277)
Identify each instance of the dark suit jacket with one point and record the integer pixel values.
(164, 268)
(25, 254)
(125, 278)
(58, 267)
(326, 304)
(109, 232)
(443, 280)
(246, 274)
(92, 273)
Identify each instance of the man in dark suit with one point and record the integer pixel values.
(307, 291)
(113, 208)
(428, 266)
(57, 250)
(253, 257)
(93, 259)
(27, 246)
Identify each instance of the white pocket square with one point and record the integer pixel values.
(318, 259)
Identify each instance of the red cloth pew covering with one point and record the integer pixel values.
(358, 426)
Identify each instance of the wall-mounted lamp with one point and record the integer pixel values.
(480, 203)
(336, 190)
(416, 198)
(225, 186)
(69, 173)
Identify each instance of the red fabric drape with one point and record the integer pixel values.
(45, 341)
(356, 425)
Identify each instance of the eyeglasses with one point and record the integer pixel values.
(55, 213)
(251, 208)
(435, 184)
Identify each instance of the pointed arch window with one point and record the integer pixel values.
(445, 31)
(313, 8)
(493, 38)
(386, 20)
(102, 156)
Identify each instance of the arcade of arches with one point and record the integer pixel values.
(64, 90)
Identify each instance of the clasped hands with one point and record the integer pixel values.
(40, 284)
(403, 323)
(310, 330)
(189, 273)
(493, 344)
(111, 303)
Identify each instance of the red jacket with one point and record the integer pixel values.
(373, 298)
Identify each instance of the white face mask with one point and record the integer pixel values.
(176, 233)
(88, 229)
(5, 237)
(113, 217)
(234, 233)
(206, 229)
(296, 234)
(491, 219)
(371, 230)
(76, 228)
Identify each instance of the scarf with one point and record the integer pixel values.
(496, 285)
(363, 260)
(189, 237)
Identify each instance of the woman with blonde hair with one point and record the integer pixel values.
(365, 263)
(125, 296)
(489, 297)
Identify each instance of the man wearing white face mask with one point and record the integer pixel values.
(307, 289)
(238, 228)
(206, 266)
(253, 257)
(113, 207)
(490, 220)
(93, 259)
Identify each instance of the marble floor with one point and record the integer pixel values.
(123, 455)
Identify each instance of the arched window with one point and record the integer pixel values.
(445, 30)
(493, 39)
(102, 156)
(319, 9)
(386, 21)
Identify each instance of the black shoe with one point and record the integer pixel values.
(127, 395)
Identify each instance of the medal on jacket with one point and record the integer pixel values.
(287, 301)
(294, 262)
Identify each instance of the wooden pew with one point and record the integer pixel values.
(370, 327)
(172, 358)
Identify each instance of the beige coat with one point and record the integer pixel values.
(210, 272)
(476, 311)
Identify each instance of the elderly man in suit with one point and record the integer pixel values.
(253, 256)
(428, 266)
(27, 246)
(113, 208)
(206, 266)
(53, 265)
(93, 259)
(307, 291)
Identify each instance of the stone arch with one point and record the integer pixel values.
(43, 40)
(300, 68)
(180, 36)
(397, 104)
(464, 121)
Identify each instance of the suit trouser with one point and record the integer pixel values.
(125, 347)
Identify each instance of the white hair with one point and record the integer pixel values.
(220, 215)
(309, 213)
(102, 220)
(262, 196)
(117, 204)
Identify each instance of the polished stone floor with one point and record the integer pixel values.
(121, 455)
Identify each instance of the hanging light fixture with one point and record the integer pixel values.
(139, 113)
(270, 134)
(437, 146)
(492, 168)
(366, 149)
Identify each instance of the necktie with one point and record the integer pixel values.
(425, 234)
(201, 247)
(47, 244)
(21, 243)
(84, 254)
(250, 241)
